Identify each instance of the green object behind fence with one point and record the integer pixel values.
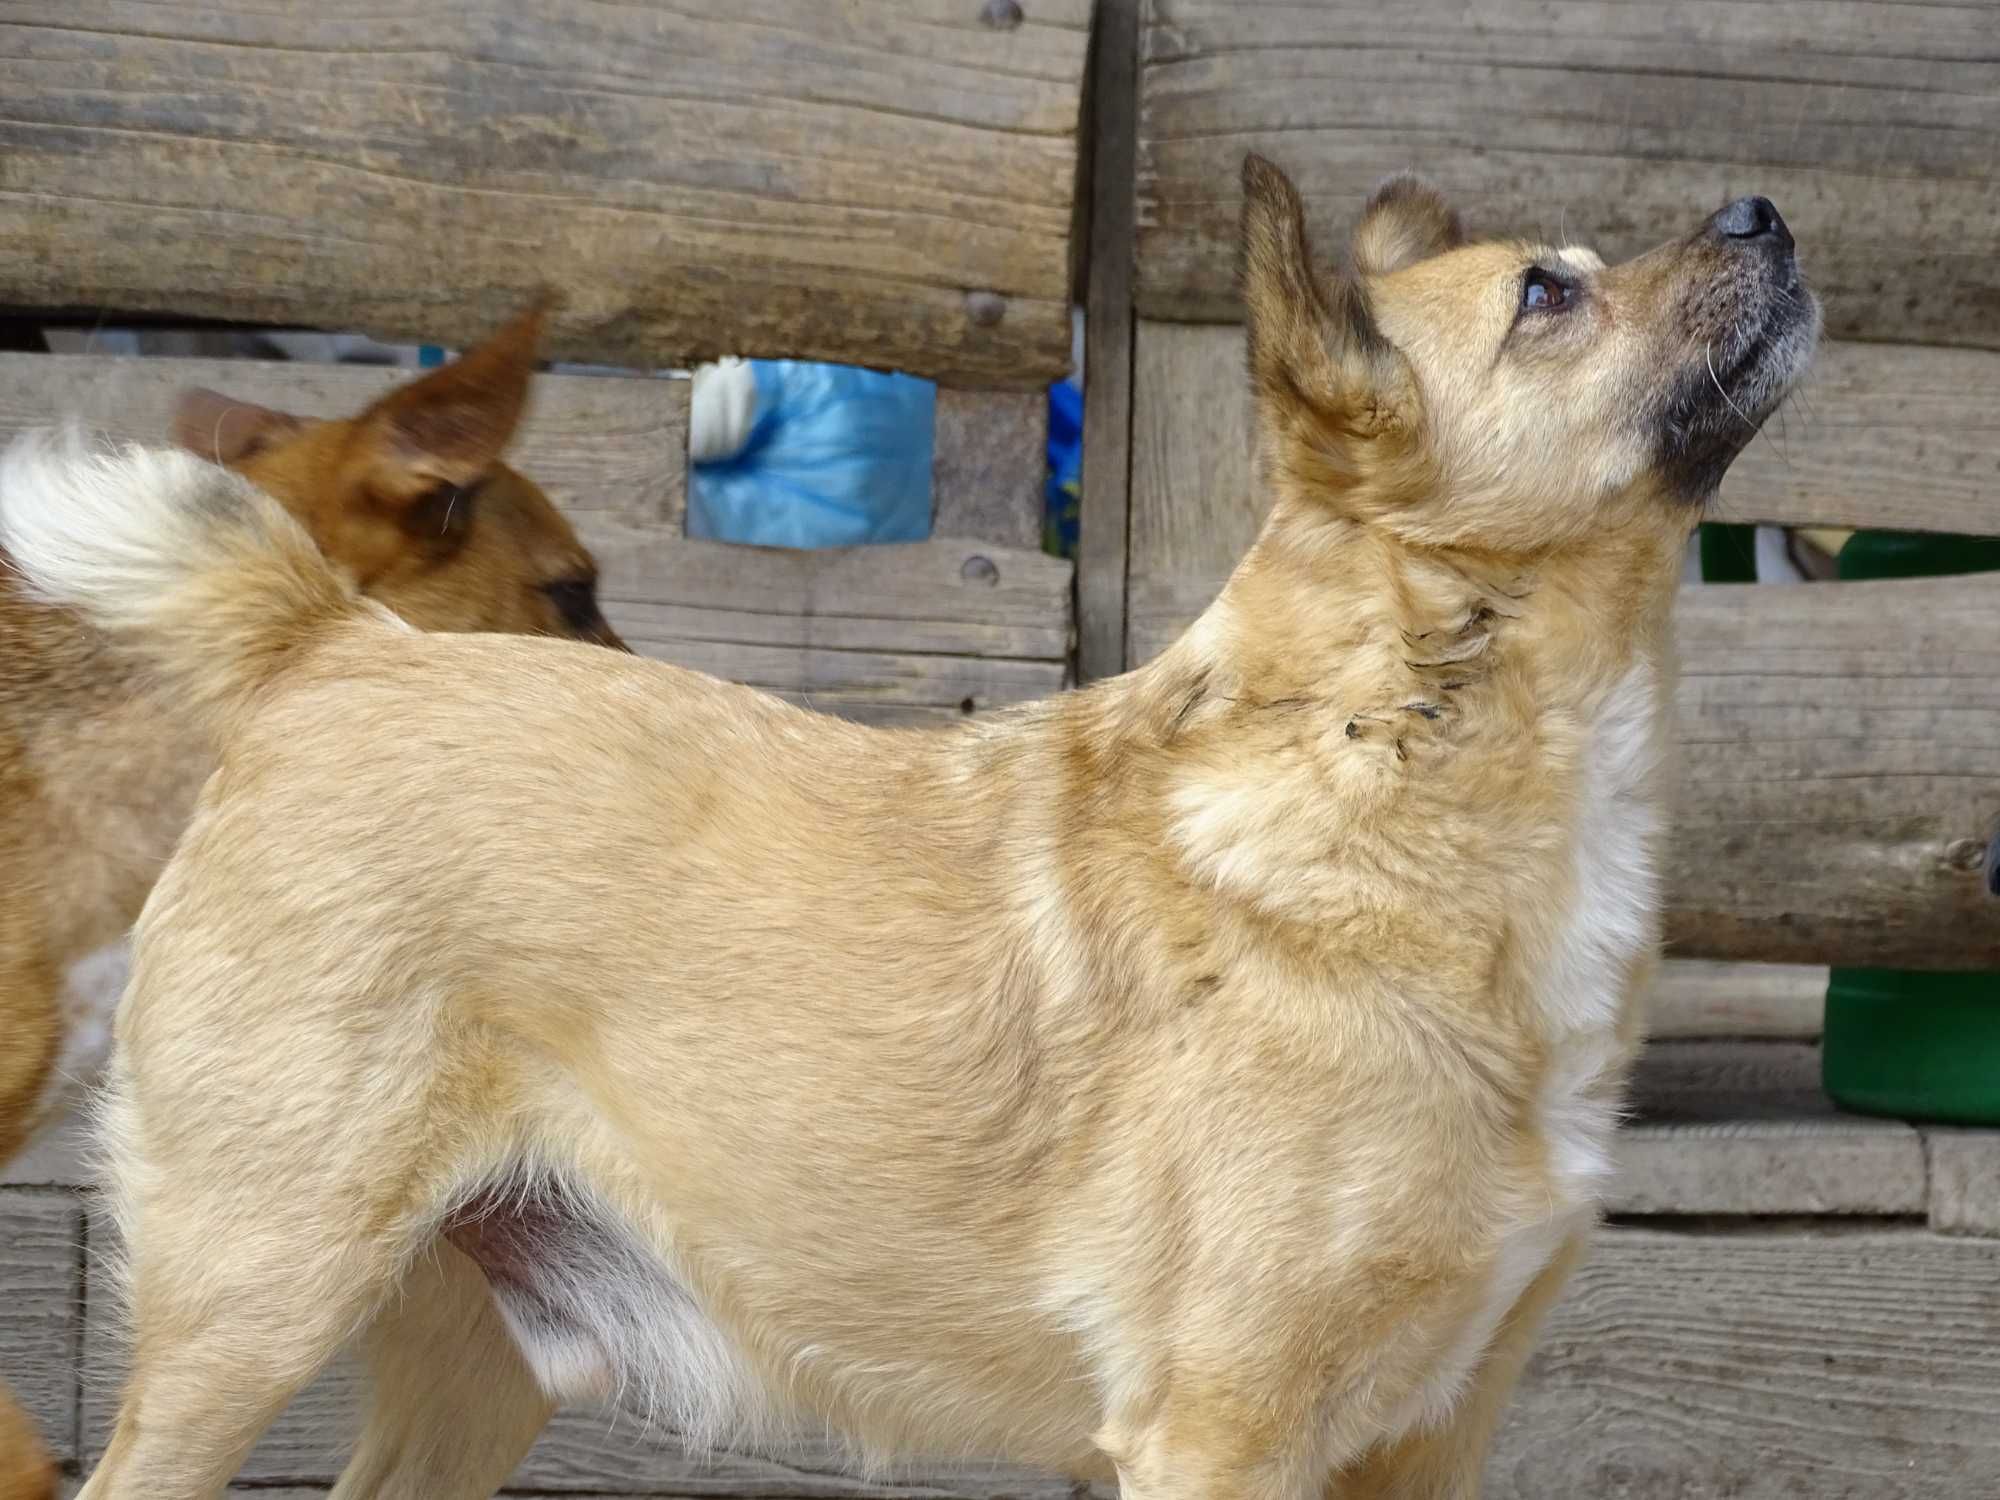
(1903, 1042)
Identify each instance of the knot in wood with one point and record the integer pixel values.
(1965, 854)
(985, 308)
(1001, 15)
(978, 569)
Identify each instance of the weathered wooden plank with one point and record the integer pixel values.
(1764, 1366)
(1743, 1128)
(835, 681)
(893, 184)
(41, 1308)
(1840, 742)
(1965, 1180)
(876, 630)
(1703, 998)
(1102, 522)
(1767, 1168)
(1196, 502)
(1871, 125)
(1840, 749)
(602, 447)
(54, 1158)
(989, 458)
(1888, 435)
(1680, 1083)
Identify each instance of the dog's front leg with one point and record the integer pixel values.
(1216, 1447)
(1446, 1462)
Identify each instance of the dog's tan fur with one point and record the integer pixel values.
(1201, 1079)
(98, 775)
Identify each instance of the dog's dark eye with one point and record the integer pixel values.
(575, 600)
(1541, 290)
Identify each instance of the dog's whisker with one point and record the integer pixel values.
(1708, 358)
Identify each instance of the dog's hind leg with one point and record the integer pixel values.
(26, 1470)
(452, 1406)
(31, 1015)
(269, 1178)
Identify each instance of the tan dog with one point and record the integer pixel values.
(97, 778)
(1205, 1078)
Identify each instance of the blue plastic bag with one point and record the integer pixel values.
(835, 457)
(1063, 495)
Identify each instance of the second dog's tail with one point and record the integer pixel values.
(183, 565)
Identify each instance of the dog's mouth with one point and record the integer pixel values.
(1734, 381)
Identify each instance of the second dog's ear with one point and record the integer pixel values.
(226, 431)
(1406, 220)
(1314, 349)
(448, 429)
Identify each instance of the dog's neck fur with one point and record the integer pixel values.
(1428, 716)
(1333, 611)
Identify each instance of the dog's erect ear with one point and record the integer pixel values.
(1406, 220)
(1314, 349)
(445, 431)
(226, 431)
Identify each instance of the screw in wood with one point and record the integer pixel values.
(985, 308)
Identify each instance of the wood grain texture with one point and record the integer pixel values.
(1703, 998)
(1700, 1083)
(1770, 1168)
(989, 458)
(1965, 1181)
(1837, 740)
(1840, 748)
(1881, 435)
(604, 448)
(54, 1158)
(1873, 126)
(934, 625)
(1743, 1128)
(886, 182)
(41, 1308)
(1103, 514)
(1764, 1366)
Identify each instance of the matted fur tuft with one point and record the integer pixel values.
(189, 567)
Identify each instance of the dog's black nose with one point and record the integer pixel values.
(1752, 219)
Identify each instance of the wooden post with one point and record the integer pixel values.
(1107, 337)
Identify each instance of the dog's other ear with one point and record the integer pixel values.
(226, 431)
(444, 432)
(1315, 353)
(1406, 220)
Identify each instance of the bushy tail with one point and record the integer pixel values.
(189, 568)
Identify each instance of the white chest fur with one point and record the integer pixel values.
(1611, 921)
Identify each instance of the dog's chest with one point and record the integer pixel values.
(1610, 923)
